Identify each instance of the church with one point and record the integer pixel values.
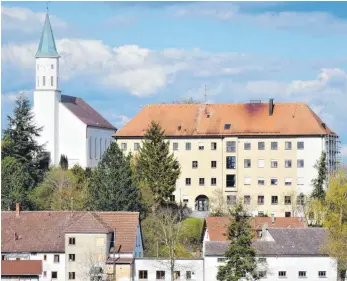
(70, 125)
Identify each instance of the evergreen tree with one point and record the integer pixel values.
(112, 186)
(319, 183)
(241, 261)
(14, 179)
(156, 166)
(64, 162)
(20, 142)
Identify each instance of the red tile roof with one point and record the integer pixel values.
(21, 267)
(217, 226)
(120, 260)
(44, 231)
(245, 119)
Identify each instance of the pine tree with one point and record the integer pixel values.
(20, 142)
(241, 261)
(112, 186)
(64, 162)
(322, 177)
(156, 166)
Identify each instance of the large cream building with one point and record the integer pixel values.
(260, 153)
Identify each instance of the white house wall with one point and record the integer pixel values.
(292, 265)
(98, 140)
(153, 265)
(72, 137)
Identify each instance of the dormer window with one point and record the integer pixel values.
(52, 66)
(227, 126)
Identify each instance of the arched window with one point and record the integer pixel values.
(96, 148)
(90, 147)
(100, 148)
(43, 81)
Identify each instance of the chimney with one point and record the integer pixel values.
(198, 253)
(17, 210)
(273, 219)
(271, 107)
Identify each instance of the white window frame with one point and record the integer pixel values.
(274, 164)
(259, 179)
(261, 163)
(201, 146)
(247, 180)
(288, 181)
(175, 146)
(300, 181)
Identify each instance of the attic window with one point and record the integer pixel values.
(179, 127)
(208, 115)
(227, 126)
(323, 125)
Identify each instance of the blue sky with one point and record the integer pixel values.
(120, 56)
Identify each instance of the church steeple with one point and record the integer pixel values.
(47, 48)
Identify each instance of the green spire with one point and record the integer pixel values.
(47, 46)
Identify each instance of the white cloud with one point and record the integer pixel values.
(26, 21)
(12, 96)
(120, 120)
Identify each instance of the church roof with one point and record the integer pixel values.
(85, 112)
(47, 46)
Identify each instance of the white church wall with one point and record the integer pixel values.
(72, 137)
(98, 140)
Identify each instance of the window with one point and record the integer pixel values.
(247, 181)
(45, 274)
(188, 181)
(123, 146)
(201, 181)
(227, 126)
(282, 274)
(288, 145)
(274, 181)
(261, 181)
(300, 163)
(274, 200)
(52, 66)
(143, 274)
(213, 181)
(201, 146)
(300, 200)
(72, 241)
(195, 164)
(287, 181)
(300, 181)
(322, 274)
(95, 148)
(71, 275)
(72, 257)
(177, 275)
(261, 260)
(2, 257)
(261, 145)
(188, 146)
(105, 144)
(56, 258)
(54, 275)
(262, 274)
(188, 275)
(247, 199)
(231, 162)
(287, 214)
(213, 146)
(172, 198)
(261, 163)
(213, 164)
(260, 200)
(287, 200)
(160, 275)
(38, 82)
(274, 145)
(247, 146)
(247, 163)
(231, 146)
(43, 81)
(44, 257)
(100, 147)
(288, 163)
(52, 80)
(260, 214)
(302, 274)
(136, 146)
(231, 200)
(274, 164)
(300, 145)
(221, 259)
(230, 180)
(175, 146)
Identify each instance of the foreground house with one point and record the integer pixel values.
(73, 245)
(290, 254)
(14, 270)
(262, 153)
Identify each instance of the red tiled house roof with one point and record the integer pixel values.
(21, 267)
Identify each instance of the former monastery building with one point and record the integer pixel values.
(70, 126)
(263, 153)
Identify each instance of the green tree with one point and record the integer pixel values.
(64, 162)
(336, 221)
(319, 183)
(20, 142)
(113, 186)
(156, 166)
(191, 232)
(14, 180)
(241, 261)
